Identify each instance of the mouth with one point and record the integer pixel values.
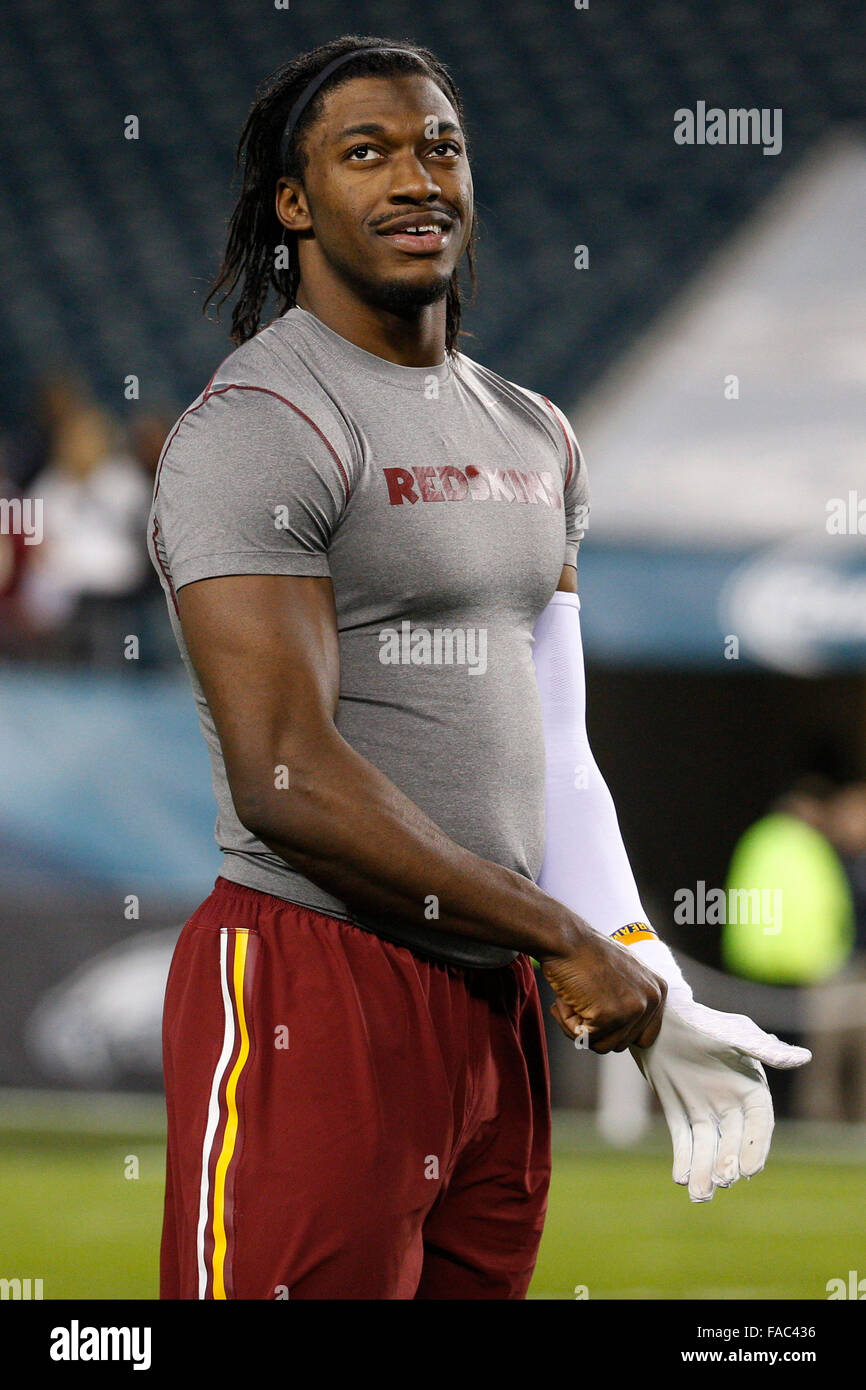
(419, 237)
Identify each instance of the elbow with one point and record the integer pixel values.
(254, 816)
(281, 801)
(266, 813)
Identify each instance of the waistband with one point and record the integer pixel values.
(441, 947)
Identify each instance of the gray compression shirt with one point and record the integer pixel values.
(442, 501)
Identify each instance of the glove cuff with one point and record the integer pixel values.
(656, 956)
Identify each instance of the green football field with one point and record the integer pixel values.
(76, 1215)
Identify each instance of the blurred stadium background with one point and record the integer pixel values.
(711, 356)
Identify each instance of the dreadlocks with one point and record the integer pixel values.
(254, 229)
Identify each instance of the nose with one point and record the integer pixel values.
(412, 179)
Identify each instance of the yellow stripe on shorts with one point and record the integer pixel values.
(230, 1133)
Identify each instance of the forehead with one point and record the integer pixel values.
(399, 101)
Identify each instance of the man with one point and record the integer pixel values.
(358, 528)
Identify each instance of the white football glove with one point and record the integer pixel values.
(706, 1069)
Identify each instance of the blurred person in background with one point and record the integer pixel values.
(836, 1086)
(789, 852)
(811, 849)
(31, 444)
(147, 434)
(95, 498)
(846, 829)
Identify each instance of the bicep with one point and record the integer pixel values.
(265, 650)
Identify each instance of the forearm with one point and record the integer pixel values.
(586, 866)
(345, 826)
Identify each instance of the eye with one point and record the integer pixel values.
(444, 147)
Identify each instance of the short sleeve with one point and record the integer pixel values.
(576, 497)
(248, 484)
(575, 489)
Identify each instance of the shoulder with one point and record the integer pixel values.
(530, 405)
(261, 406)
(270, 376)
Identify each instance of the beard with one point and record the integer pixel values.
(400, 297)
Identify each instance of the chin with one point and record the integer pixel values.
(404, 294)
(401, 296)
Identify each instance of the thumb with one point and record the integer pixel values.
(743, 1034)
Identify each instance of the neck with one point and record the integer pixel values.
(415, 340)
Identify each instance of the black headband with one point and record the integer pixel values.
(312, 87)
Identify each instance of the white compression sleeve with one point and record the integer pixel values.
(585, 863)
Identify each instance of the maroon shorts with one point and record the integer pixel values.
(345, 1118)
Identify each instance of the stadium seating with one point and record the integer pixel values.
(107, 245)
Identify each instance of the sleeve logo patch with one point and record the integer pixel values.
(634, 931)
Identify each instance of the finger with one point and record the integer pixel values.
(561, 1021)
(767, 1048)
(677, 1122)
(650, 1026)
(704, 1144)
(617, 1040)
(570, 1023)
(681, 1138)
(727, 1166)
(783, 1056)
(641, 1031)
(645, 1029)
(741, 1032)
(603, 1037)
(566, 1014)
(599, 1038)
(757, 1131)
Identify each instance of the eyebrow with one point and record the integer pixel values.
(373, 128)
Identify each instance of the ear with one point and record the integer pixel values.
(291, 205)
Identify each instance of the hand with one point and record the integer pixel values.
(706, 1069)
(606, 993)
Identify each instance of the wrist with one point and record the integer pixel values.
(640, 938)
(569, 933)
